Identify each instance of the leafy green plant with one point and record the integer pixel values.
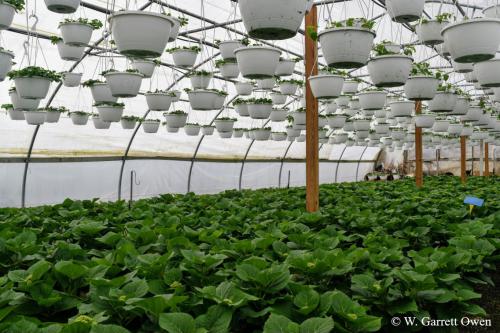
(60, 109)
(259, 101)
(131, 118)
(79, 113)
(34, 71)
(91, 83)
(292, 81)
(110, 104)
(7, 106)
(200, 73)
(94, 23)
(353, 22)
(17, 4)
(194, 48)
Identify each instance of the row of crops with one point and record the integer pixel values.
(251, 261)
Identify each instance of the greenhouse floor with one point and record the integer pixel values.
(255, 261)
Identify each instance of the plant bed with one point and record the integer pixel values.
(185, 56)
(62, 6)
(272, 19)
(257, 62)
(110, 112)
(151, 125)
(326, 86)
(78, 32)
(79, 118)
(123, 84)
(159, 100)
(33, 82)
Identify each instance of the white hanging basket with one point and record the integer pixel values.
(462, 67)
(257, 62)
(75, 33)
(202, 99)
(34, 117)
(473, 40)
(278, 115)
(99, 123)
(261, 134)
(326, 86)
(272, 19)
(174, 31)
(62, 6)
(6, 58)
(346, 47)
(172, 129)
(292, 132)
(429, 33)
(330, 107)
(224, 125)
(266, 84)
(286, 67)
(219, 101)
(372, 100)
(79, 118)
(425, 120)
(70, 53)
(278, 98)
(278, 136)
(455, 129)
(492, 11)
(124, 84)
(226, 135)
(336, 121)
(7, 12)
(227, 48)
(32, 87)
(405, 10)
(140, 33)
(184, 58)
(150, 126)
(461, 107)
(192, 129)
(102, 93)
(361, 124)
(340, 138)
(488, 73)
(176, 120)
(237, 133)
(109, 112)
(350, 87)
(259, 111)
(16, 114)
(390, 70)
(299, 118)
(71, 79)
(200, 81)
(288, 88)
(160, 101)
(443, 102)
(440, 126)
(145, 67)
(343, 100)
(52, 116)
(244, 88)
(128, 124)
(229, 70)
(402, 108)
(207, 130)
(23, 103)
(473, 114)
(421, 88)
(241, 109)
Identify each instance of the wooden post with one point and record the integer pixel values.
(419, 167)
(463, 159)
(312, 138)
(486, 159)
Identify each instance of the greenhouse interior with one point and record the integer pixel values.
(248, 166)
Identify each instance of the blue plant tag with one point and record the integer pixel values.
(474, 201)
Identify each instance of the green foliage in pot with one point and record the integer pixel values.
(195, 49)
(441, 18)
(176, 112)
(200, 73)
(79, 113)
(91, 83)
(239, 101)
(222, 62)
(299, 83)
(110, 104)
(259, 101)
(94, 23)
(131, 118)
(226, 119)
(60, 109)
(7, 106)
(17, 4)
(35, 71)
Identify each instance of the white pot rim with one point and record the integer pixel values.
(372, 92)
(123, 73)
(11, 54)
(387, 56)
(247, 48)
(109, 107)
(444, 92)
(422, 77)
(325, 76)
(489, 7)
(32, 77)
(157, 94)
(434, 21)
(142, 13)
(330, 30)
(230, 41)
(76, 23)
(34, 111)
(402, 102)
(184, 50)
(490, 60)
(7, 4)
(474, 20)
(202, 91)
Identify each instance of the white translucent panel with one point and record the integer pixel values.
(11, 175)
(258, 175)
(213, 177)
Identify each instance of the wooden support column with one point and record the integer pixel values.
(463, 159)
(486, 159)
(419, 152)
(312, 138)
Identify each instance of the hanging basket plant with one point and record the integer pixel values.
(6, 62)
(129, 122)
(79, 118)
(462, 67)
(472, 40)
(144, 66)
(278, 136)
(241, 107)
(261, 134)
(62, 6)
(228, 47)
(176, 119)
(8, 9)
(220, 99)
(461, 107)
(278, 98)
(207, 130)
(488, 73)
(228, 68)
(33, 82)
(110, 112)
(350, 87)
(290, 87)
(423, 83)
(405, 10)
(13, 114)
(159, 100)
(326, 86)
(35, 117)
(226, 135)
(429, 31)
(192, 129)
(444, 101)
(178, 23)
(292, 132)
(140, 33)
(372, 99)
(299, 117)
(278, 115)
(100, 91)
(390, 70)
(238, 132)
(336, 121)
(272, 19)
(78, 32)
(200, 79)
(257, 62)
(52, 115)
(347, 44)
(425, 120)
(402, 108)
(243, 88)
(99, 123)
(185, 56)
(202, 100)
(22, 103)
(67, 52)
(259, 108)
(266, 84)
(71, 79)
(286, 67)
(123, 84)
(225, 124)
(151, 125)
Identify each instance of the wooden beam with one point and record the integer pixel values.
(312, 138)
(419, 168)
(463, 159)
(486, 159)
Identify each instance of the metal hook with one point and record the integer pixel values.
(26, 46)
(33, 27)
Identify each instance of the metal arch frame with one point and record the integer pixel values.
(37, 129)
(283, 162)
(359, 161)
(127, 150)
(338, 164)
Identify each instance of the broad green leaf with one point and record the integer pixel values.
(317, 325)
(307, 301)
(177, 322)
(280, 324)
(216, 320)
(38, 269)
(70, 269)
(105, 328)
